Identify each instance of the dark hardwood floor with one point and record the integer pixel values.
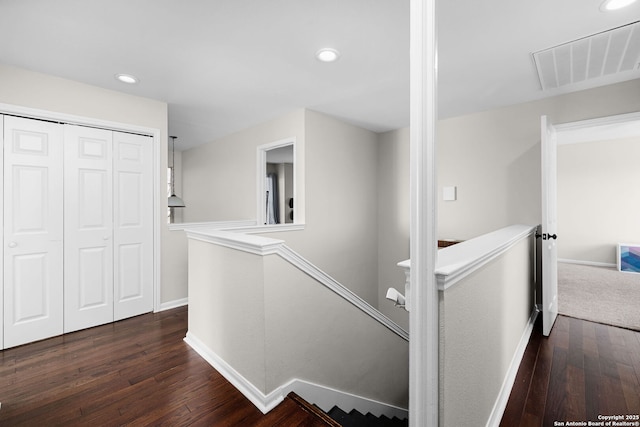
(140, 372)
(133, 372)
(582, 370)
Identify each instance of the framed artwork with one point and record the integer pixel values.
(629, 257)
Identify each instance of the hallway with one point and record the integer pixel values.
(137, 371)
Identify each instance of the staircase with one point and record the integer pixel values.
(356, 419)
(336, 417)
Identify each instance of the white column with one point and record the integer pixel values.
(423, 343)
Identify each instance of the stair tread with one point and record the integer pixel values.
(355, 418)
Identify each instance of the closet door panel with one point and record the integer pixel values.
(88, 228)
(33, 230)
(133, 233)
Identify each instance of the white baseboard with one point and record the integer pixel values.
(261, 401)
(173, 304)
(503, 397)
(324, 397)
(591, 263)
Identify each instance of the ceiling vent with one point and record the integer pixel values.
(609, 56)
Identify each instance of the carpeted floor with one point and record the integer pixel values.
(599, 294)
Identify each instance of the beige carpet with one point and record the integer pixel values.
(599, 294)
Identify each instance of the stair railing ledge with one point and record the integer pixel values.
(458, 261)
(257, 245)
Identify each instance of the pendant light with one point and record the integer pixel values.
(174, 201)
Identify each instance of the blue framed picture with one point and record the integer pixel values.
(629, 257)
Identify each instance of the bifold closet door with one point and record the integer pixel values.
(33, 230)
(133, 224)
(88, 220)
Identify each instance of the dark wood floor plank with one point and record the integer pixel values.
(537, 397)
(136, 372)
(522, 384)
(575, 355)
(575, 391)
(630, 387)
(556, 404)
(593, 387)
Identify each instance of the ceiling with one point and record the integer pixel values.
(224, 65)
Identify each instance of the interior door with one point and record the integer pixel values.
(88, 219)
(33, 230)
(549, 226)
(133, 232)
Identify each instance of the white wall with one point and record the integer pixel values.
(493, 157)
(219, 178)
(598, 198)
(483, 319)
(336, 167)
(315, 335)
(340, 235)
(393, 218)
(44, 92)
(227, 307)
(272, 323)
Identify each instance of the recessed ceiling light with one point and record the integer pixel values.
(127, 78)
(615, 4)
(327, 55)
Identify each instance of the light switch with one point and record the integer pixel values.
(449, 194)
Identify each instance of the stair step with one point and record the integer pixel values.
(357, 419)
(342, 417)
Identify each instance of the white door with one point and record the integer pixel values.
(33, 230)
(88, 220)
(549, 226)
(133, 225)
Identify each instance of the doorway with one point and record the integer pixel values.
(595, 213)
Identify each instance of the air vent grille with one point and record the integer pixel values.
(593, 57)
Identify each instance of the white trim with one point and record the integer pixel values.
(311, 270)
(505, 391)
(72, 119)
(600, 129)
(260, 245)
(325, 397)
(273, 228)
(590, 263)
(248, 226)
(424, 320)
(257, 245)
(2, 231)
(263, 402)
(158, 192)
(214, 225)
(262, 173)
(458, 261)
(173, 304)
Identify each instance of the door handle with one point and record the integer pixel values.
(546, 236)
(12, 244)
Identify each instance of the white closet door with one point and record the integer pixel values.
(133, 232)
(88, 220)
(33, 230)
